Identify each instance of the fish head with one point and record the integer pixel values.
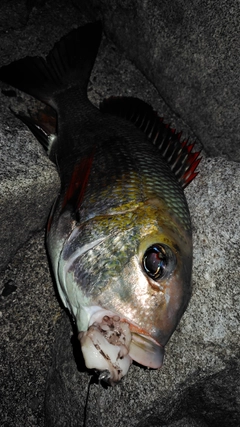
(128, 272)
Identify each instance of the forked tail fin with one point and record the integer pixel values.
(68, 64)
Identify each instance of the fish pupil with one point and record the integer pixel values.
(155, 261)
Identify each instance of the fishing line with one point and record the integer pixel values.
(104, 376)
(86, 404)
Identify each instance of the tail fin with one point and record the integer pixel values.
(68, 64)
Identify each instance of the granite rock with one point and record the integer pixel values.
(29, 311)
(190, 52)
(28, 185)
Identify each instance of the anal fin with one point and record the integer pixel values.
(42, 123)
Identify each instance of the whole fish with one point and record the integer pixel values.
(119, 233)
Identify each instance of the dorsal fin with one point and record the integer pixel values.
(178, 154)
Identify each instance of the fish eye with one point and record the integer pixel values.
(156, 260)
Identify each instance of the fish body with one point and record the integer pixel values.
(119, 234)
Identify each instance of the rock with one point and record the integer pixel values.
(28, 317)
(198, 385)
(189, 51)
(29, 184)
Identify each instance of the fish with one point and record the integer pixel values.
(119, 234)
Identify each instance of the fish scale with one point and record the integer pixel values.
(139, 179)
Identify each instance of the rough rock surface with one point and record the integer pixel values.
(28, 186)
(190, 51)
(199, 383)
(28, 313)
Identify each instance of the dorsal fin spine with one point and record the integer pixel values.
(172, 154)
(155, 138)
(178, 154)
(179, 135)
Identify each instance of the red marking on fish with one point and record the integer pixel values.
(78, 183)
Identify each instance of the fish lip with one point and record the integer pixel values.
(144, 349)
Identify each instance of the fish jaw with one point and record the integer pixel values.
(111, 343)
(146, 351)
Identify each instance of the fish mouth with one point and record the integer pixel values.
(112, 342)
(146, 351)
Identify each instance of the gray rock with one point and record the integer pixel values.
(190, 52)
(28, 185)
(29, 310)
(199, 383)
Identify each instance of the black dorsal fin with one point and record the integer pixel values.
(68, 64)
(177, 153)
